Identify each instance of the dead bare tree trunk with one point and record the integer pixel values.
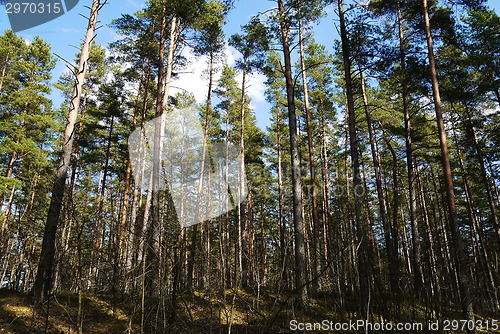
(43, 281)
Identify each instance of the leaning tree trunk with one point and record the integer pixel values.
(43, 280)
(458, 251)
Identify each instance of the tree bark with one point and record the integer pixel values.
(242, 221)
(4, 69)
(391, 243)
(478, 231)
(194, 235)
(458, 251)
(415, 235)
(152, 283)
(316, 268)
(43, 280)
(281, 204)
(484, 175)
(327, 220)
(363, 262)
(300, 252)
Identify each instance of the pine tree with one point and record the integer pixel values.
(26, 113)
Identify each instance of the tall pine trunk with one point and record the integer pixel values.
(391, 242)
(415, 235)
(242, 219)
(194, 235)
(300, 252)
(43, 280)
(281, 204)
(458, 251)
(312, 168)
(363, 262)
(152, 261)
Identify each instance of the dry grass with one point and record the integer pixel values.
(199, 312)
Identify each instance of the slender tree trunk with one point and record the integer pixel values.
(4, 70)
(316, 268)
(415, 235)
(9, 171)
(13, 157)
(446, 255)
(43, 280)
(134, 238)
(194, 236)
(477, 230)
(363, 262)
(152, 283)
(428, 229)
(327, 220)
(228, 247)
(8, 210)
(281, 204)
(242, 219)
(124, 212)
(395, 210)
(391, 243)
(300, 253)
(484, 175)
(99, 229)
(459, 254)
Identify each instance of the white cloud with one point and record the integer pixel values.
(195, 80)
(257, 87)
(231, 55)
(192, 79)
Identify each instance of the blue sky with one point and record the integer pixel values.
(67, 31)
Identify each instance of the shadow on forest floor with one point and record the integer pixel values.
(18, 315)
(205, 312)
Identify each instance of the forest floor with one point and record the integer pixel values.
(202, 313)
